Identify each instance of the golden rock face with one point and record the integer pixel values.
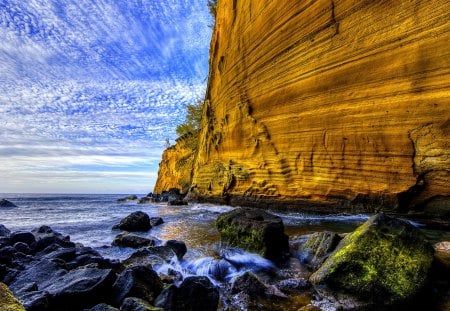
(328, 101)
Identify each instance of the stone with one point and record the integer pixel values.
(129, 198)
(179, 247)
(7, 300)
(146, 200)
(136, 221)
(132, 240)
(156, 221)
(195, 293)
(249, 284)
(22, 247)
(177, 203)
(137, 304)
(254, 230)
(6, 203)
(385, 261)
(102, 307)
(150, 256)
(137, 281)
(22, 236)
(4, 232)
(318, 247)
(294, 115)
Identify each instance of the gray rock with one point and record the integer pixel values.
(132, 240)
(156, 221)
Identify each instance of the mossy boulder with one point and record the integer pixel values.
(7, 300)
(318, 247)
(385, 261)
(254, 230)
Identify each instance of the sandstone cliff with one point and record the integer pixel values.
(322, 101)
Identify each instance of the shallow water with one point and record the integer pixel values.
(88, 219)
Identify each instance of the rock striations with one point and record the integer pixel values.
(314, 103)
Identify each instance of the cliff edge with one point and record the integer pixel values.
(328, 106)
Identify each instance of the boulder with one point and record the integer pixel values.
(179, 247)
(137, 304)
(137, 221)
(385, 261)
(7, 300)
(6, 203)
(318, 247)
(137, 281)
(132, 240)
(129, 198)
(254, 230)
(195, 293)
(249, 284)
(146, 200)
(4, 232)
(102, 307)
(22, 236)
(156, 221)
(150, 256)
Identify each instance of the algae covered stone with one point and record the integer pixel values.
(7, 300)
(254, 230)
(384, 261)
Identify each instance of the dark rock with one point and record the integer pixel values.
(6, 203)
(249, 284)
(136, 304)
(218, 269)
(150, 256)
(4, 232)
(86, 256)
(35, 301)
(65, 254)
(6, 254)
(22, 247)
(195, 293)
(254, 230)
(102, 307)
(385, 261)
(132, 240)
(179, 247)
(290, 285)
(81, 288)
(129, 198)
(44, 242)
(318, 247)
(138, 281)
(22, 236)
(146, 200)
(137, 221)
(156, 221)
(177, 203)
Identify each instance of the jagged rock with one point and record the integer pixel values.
(254, 230)
(6, 203)
(132, 240)
(195, 293)
(137, 221)
(318, 247)
(22, 236)
(179, 247)
(156, 221)
(137, 281)
(249, 284)
(385, 261)
(150, 256)
(136, 304)
(129, 198)
(4, 232)
(7, 300)
(102, 307)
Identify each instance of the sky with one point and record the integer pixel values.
(91, 89)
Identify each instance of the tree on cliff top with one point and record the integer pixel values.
(212, 5)
(193, 120)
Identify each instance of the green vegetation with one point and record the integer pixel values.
(191, 124)
(212, 5)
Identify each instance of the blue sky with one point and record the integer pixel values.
(90, 90)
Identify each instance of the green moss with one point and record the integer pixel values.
(7, 300)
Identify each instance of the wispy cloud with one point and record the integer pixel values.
(89, 90)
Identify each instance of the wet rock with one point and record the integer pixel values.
(179, 247)
(249, 284)
(44, 242)
(318, 247)
(219, 269)
(385, 261)
(146, 200)
(150, 256)
(4, 232)
(22, 236)
(7, 300)
(102, 307)
(442, 254)
(22, 247)
(195, 293)
(138, 281)
(137, 221)
(6, 254)
(136, 304)
(177, 203)
(129, 198)
(132, 240)
(86, 256)
(156, 221)
(254, 230)
(65, 254)
(36, 300)
(291, 285)
(6, 203)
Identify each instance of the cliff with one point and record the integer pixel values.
(328, 105)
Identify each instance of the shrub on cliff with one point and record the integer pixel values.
(193, 119)
(212, 5)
